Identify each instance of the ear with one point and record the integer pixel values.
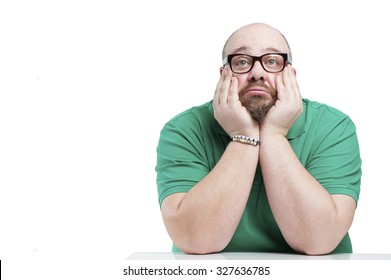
(221, 69)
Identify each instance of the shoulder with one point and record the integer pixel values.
(322, 115)
(195, 116)
(327, 126)
(200, 111)
(317, 109)
(318, 118)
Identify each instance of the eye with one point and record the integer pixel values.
(273, 61)
(241, 63)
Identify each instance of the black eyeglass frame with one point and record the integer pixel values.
(229, 57)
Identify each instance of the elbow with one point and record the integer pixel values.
(193, 250)
(316, 251)
(315, 247)
(317, 242)
(194, 241)
(199, 247)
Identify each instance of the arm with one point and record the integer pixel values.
(311, 220)
(205, 219)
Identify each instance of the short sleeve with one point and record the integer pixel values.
(180, 156)
(336, 161)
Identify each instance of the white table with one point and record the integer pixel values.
(253, 256)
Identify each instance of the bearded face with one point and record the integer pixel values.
(258, 105)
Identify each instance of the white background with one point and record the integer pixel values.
(86, 87)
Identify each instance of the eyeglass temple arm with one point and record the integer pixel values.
(225, 60)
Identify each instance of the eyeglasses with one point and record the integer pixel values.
(243, 63)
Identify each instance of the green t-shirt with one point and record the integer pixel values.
(323, 138)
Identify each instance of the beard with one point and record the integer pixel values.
(258, 106)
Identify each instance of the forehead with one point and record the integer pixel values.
(256, 40)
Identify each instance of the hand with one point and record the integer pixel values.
(288, 107)
(228, 110)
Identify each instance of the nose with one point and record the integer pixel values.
(257, 72)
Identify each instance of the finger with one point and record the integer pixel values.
(280, 87)
(233, 95)
(293, 84)
(289, 84)
(293, 96)
(216, 97)
(225, 86)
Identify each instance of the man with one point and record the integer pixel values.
(259, 168)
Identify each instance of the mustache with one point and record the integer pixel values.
(262, 84)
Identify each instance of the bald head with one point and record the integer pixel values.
(255, 38)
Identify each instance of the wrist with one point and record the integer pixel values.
(272, 132)
(251, 133)
(245, 139)
(271, 137)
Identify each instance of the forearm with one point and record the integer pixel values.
(208, 215)
(304, 211)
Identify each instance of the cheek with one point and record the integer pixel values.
(242, 81)
(271, 80)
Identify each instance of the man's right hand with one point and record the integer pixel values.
(229, 111)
